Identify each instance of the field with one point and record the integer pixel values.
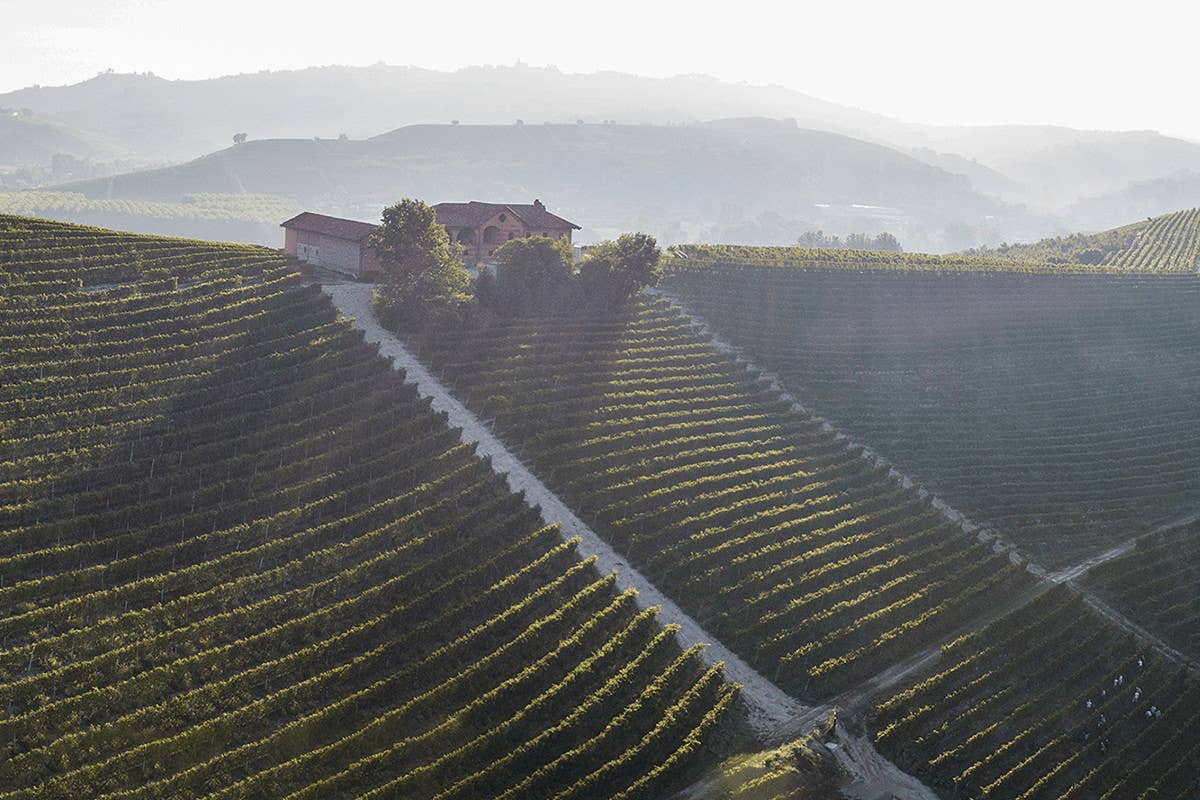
(1158, 584)
(803, 557)
(1050, 702)
(240, 558)
(252, 218)
(1170, 243)
(1058, 410)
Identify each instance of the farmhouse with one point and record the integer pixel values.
(331, 242)
(341, 244)
(482, 227)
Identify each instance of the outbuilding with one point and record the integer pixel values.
(332, 243)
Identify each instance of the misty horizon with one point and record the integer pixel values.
(924, 65)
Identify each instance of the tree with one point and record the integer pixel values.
(533, 273)
(239, 138)
(887, 243)
(423, 275)
(613, 272)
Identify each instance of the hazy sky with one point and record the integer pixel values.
(1090, 64)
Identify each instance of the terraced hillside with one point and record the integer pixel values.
(1169, 243)
(240, 558)
(1158, 584)
(1050, 702)
(1059, 410)
(794, 551)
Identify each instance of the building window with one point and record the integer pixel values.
(502, 218)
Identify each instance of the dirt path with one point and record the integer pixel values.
(770, 707)
(1101, 607)
(1079, 570)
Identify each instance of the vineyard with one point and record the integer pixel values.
(1058, 410)
(1050, 702)
(238, 217)
(801, 770)
(239, 557)
(1158, 584)
(1170, 243)
(859, 260)
(806, 559)
(1166, 244)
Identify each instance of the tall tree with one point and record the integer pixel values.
(423, 274)
(533, 273)
(615, 271)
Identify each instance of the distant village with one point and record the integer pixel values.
(340, 245)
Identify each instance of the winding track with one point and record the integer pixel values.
(771, 709)
(775, 716)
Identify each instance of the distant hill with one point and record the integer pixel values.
(1056, 166)
(152, 120)
(1169, 243)
(176, 119)
(29, 142)
(752, 181)
(1145, 199)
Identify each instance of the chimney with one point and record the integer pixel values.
(538, 205)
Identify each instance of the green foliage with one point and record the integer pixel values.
(800, 770)
(1051, 700)
(856, 241)
(1170, 243)
(1158, 584)
(533, 273)
(242, 558)
(199, 207)
(1060, 407)
(805, 558)
(423, 276)
(685, 256)
(615, 271)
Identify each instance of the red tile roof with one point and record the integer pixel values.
(336, 227)
(474, 214)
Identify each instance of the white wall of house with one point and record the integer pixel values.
(325, 251)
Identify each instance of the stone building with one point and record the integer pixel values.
(482, 227)
(331, 242)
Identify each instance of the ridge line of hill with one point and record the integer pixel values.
(770, 706)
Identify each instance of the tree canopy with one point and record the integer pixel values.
(423, 274)
(533, 273)
(615, 271)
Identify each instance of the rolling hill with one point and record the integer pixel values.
(1169, 243)
(152, 120)
(766, 179)
(242, 558)
(1055, 409)
(27, 142)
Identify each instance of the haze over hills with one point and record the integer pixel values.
(1045, 180)
(26, 141)
(735, 180)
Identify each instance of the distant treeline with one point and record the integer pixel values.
(885, 242)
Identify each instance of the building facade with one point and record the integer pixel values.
(333, 243)
(482, 227)
(341, 245)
